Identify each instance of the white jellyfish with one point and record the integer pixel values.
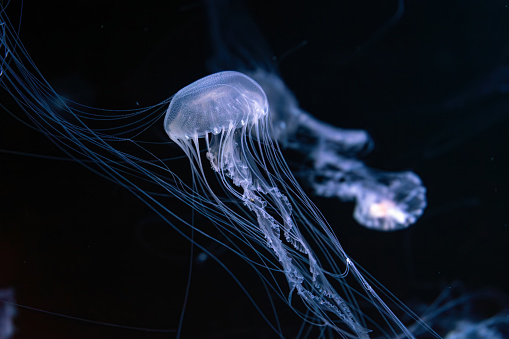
(230, 111)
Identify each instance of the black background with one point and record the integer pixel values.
(431, 89)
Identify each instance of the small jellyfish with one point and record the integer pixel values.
(230, 112)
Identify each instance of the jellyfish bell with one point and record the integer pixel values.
(220, 101)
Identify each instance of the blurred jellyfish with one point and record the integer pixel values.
(265, 217)
(496, 327)
(475, 326)
(229, 110)
(7, 313)
(459, 314)
(385, 201)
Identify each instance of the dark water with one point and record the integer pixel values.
(432, 88)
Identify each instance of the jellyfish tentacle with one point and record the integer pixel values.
(235, 166)
(230, 110)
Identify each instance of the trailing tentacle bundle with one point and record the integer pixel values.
(230, 111)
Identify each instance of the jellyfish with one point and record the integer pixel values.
(385, 201)
(7, 313)
(458, 312)
(259, 211)
(229, 110)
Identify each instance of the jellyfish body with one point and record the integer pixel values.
(215, 103)
(230, 111)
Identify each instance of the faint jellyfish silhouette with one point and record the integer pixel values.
(7, 313)
(457, 313)
(496, 327)
(481, 314)
(385, 201)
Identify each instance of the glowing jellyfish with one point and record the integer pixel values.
(229, 110)
(385, 201)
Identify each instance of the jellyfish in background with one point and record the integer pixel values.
(492, 328)
(7, 313)
(458, 313)
(385, 201)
